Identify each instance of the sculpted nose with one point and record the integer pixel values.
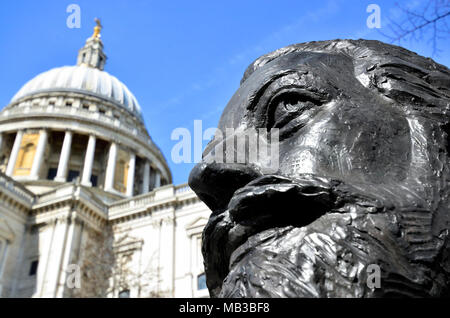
(215, 183)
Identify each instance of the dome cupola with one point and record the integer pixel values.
(80, 124)
(86, 77)
(92, 53)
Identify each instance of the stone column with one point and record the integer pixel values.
(14, 153)
(157, 179)
(39, 156)
(88, 161)
(146, 178)
(50, 261)
(70, 244)
(111, 167)
(63, 164)
(3, 260)
(130, 177)
(1, 141)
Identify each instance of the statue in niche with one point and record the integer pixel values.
(363, 183)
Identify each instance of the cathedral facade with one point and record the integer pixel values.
(87, 204)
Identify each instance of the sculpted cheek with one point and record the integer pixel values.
(303, 163)
(312, 150)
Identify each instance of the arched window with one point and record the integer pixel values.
(25, 159)
(201, 281)
(121, 175)
(124, 293)
(26, 156)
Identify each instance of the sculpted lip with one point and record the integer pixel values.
(271, 198)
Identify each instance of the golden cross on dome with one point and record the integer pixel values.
(97, 28)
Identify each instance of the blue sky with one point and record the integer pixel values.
(183, 60)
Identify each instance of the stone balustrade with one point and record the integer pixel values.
(19, 190)
(158, 195)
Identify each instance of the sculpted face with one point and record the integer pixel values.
(360, 185)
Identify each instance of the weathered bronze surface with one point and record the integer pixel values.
(363, 177)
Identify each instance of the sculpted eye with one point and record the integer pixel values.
(290, 105)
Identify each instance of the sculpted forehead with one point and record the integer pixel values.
(316, 70)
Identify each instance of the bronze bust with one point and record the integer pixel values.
(363, 177)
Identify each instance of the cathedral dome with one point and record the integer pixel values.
(82, 79)
(80, 124)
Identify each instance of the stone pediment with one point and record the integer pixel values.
(127, 243)
(196, 226)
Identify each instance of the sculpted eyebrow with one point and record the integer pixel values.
(254, 98)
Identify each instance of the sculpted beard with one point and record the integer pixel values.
(275, 248)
